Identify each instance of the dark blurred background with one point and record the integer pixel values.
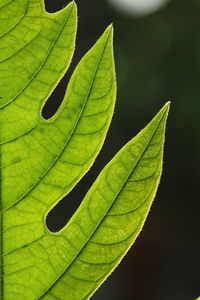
(157, 52)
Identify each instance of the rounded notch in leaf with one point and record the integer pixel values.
(112, 214)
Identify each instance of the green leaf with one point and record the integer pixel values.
(113, 212)
(42, 160)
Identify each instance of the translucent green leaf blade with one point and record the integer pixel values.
(35, 51)
(112, 213)
(61, 150)
(42, 160)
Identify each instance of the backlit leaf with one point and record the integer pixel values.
(42, 160)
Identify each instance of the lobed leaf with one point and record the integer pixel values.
(42, 160)
(112, 214)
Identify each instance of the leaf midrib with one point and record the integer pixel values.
(70, 263)
(70, 136)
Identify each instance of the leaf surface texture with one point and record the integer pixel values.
(42, 160)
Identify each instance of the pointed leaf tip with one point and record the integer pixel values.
(73, 4)
(109, 30)
(164, 110)
(110, 26)
(168, 104)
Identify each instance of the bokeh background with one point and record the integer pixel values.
(157, 52)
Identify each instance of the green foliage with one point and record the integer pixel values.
(42, 160)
